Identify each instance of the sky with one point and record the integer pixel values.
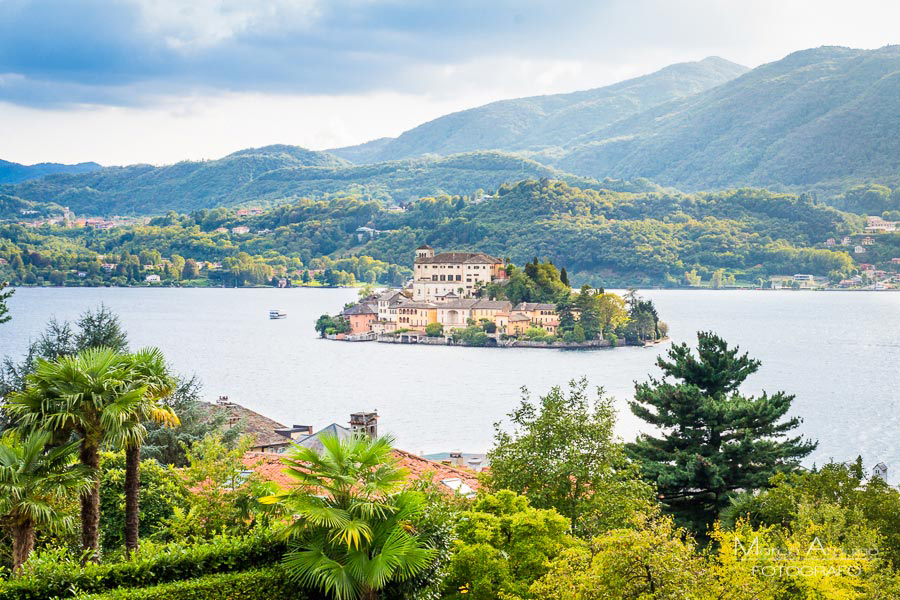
(158, 81)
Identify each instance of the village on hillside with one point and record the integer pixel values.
(457, 298)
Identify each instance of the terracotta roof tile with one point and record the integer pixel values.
(269, 466)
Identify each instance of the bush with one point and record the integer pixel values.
(58, 573)
(470, 336)
(267, 584)
(161, 491)
(434, 330)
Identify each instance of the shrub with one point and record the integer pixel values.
(58, 573)
(470, 336)
(434, 330)
(266, 584)
(161, 491)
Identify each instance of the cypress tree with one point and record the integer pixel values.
(713, 441)
(564, 276)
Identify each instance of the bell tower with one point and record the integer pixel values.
(424, 251)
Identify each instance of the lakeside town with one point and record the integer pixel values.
(474, 299)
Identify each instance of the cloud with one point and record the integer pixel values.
(132, 52)
(59, 53)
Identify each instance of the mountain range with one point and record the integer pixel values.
(821, 120)
(539, 122)
(11, 172)
(278, 174)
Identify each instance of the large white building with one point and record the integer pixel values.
(436, 276)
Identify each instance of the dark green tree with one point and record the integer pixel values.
(4, 310)
(589, 312)
(100, 328)
(713, 441)
(564, 312)
(564, 276)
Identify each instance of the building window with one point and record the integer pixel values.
(459, 277)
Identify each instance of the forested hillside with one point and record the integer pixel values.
(11, 172)
(275, 175)
(607, 237)
(824, 117)
(546, 121)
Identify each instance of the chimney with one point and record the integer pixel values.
(456, 457)
(365, 423)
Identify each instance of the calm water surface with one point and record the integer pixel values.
(837, 352)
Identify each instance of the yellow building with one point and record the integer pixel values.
(538, 314)
(416, 315)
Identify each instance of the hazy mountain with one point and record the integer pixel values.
(276, 174)
(11, 172)
(817, 116)
(545, 121)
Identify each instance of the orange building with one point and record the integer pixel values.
(361, 316)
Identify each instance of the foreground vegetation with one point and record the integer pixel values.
(566, 510)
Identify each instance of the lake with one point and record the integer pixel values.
(838, 352)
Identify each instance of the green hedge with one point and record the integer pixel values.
(266, 584)
(56, 575)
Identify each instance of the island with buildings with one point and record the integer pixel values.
(475, 299)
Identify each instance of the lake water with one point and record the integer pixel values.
(838, 352)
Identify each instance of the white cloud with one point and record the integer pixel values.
(406, 72)
(189, 24)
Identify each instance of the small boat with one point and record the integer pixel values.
(277, 314)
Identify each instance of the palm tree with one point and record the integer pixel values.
(33, 478)
(351, 519)
(92, 394)
(150, 370)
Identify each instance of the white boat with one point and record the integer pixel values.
(277, 314)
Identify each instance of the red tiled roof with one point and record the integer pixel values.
(270, 468)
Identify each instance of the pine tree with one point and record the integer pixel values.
(4, 296)
(713, 441)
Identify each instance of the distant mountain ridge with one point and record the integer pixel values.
(822, 119)
(822, 115)
(278, 174)
(538, 122)
(11, 172)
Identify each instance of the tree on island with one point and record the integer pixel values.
(713, 441)
(326, 325)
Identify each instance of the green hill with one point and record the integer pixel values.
(540, 122)
(817, 118)
(273, 175)
(11, 172)
(608, 237)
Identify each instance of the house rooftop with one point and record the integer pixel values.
(534, 306)
(450, 479)
(493, 304)
(314, 441)
(362, 308)
(262, 428)
(459, 258)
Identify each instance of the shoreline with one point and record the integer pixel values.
(421, 339)
(353, 287)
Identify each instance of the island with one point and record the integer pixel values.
(475, 299)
